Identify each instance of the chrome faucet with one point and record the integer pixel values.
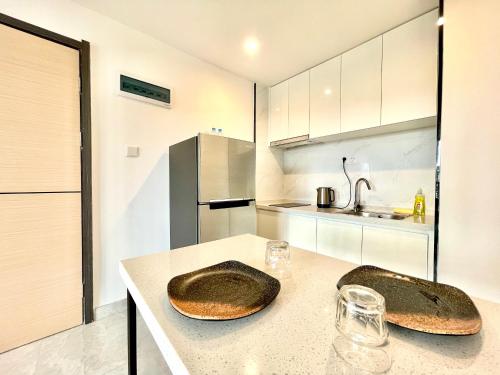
(357, 205)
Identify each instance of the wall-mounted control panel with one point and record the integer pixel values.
(144, 91)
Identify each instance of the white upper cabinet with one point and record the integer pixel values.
(409, 72)
(361, 86)
(278, 107)
(298, 105)
(325, 98)
(390, 79)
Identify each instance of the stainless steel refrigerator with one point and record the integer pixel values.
(212, 189)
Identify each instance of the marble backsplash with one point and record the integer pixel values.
(396, 165)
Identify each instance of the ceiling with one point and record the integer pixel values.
(293, 35)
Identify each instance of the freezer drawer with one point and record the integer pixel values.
(216, 223)
(226, 168)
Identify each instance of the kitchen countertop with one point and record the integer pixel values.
(294, 334)
(411, 223)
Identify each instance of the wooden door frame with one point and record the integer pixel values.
(83, 47)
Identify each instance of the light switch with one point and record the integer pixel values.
(132, 151)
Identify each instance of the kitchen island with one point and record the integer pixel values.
(294, 334)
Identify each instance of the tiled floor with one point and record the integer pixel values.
(94, 349)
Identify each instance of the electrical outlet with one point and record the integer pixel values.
(351, 160)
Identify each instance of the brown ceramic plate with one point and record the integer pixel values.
(419, 304)
(227, 290)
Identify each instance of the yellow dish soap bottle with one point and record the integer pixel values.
(419, 207)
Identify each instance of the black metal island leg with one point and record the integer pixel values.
(131, 335)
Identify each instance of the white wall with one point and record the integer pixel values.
(131, 209)
(469, 250)
(395, 164)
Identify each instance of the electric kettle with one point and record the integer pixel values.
(325, 197)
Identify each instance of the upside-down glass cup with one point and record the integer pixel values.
(362, 341)
(278, 258)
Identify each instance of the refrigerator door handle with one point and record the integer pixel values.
(229, 200)
(217, 204)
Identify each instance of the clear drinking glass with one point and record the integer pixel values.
(360, 320)
(278, 258)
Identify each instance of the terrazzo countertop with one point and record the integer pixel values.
(294, 334)
(411, 223)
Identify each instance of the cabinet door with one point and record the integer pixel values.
(339, 240)
(409, 71)
(298, 110)
(395, 250)
(302, 232)
(278, 106)
(361, 86)
(325, 99)
(271, 225)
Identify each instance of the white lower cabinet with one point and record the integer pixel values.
(299, 231)
(395, 250)
(339, 240)
(302, 232)
(271, 224)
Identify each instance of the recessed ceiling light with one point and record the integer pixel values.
(328, 91)
(251, 45)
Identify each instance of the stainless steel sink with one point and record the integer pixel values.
(380, 215)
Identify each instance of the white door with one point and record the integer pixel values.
(325, 98)
(409, 71)
(339, 240)
(361, 86)
(298, 105)
(278, 107)
(395, 250)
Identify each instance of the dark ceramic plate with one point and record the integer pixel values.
(419, 304)
(227, 290)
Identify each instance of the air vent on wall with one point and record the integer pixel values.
(148, 92)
